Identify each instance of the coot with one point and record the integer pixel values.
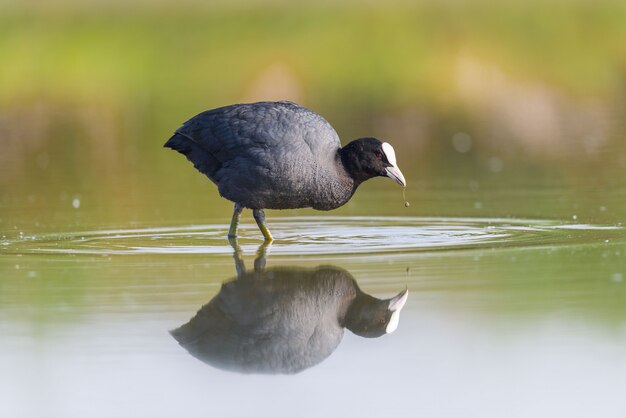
(285, 319)
(279, 155)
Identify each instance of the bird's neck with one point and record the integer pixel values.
(351, 163)
(347, 299)
(333, 185)
(356, 315)
(348, 183)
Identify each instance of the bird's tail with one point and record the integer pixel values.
(203, 160)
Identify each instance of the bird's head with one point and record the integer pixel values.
(372, 317)
(365, 158)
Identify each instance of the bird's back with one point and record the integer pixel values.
(262, 155)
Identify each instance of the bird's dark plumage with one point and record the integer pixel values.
(284, 320)
(267, 155)
(279, 155)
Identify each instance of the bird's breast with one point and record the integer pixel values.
(288, 183)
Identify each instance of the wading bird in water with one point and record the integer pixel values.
(279, 155)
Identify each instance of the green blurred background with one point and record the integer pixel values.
(510, 108)
(496, 109)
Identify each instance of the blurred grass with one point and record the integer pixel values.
(372, 55)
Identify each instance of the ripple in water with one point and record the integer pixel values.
(316, 236)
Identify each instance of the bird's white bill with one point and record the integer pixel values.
(394, 173)
(397, 302)
(395, 306)
(392, 325)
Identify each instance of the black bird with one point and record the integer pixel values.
(285, 319)
(279, 155)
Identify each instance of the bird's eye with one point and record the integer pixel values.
(379, 154)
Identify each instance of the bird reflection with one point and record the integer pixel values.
(284, 319)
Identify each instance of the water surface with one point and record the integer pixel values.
(500, 312)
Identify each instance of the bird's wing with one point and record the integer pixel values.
(260, 132)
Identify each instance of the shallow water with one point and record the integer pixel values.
(501, 312)
(308, 236)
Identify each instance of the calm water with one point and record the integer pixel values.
(505, 317)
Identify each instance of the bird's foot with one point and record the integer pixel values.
(259, 217)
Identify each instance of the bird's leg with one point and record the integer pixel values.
(232, 232)
(261, 256)
(259, 217)
(240, 266)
